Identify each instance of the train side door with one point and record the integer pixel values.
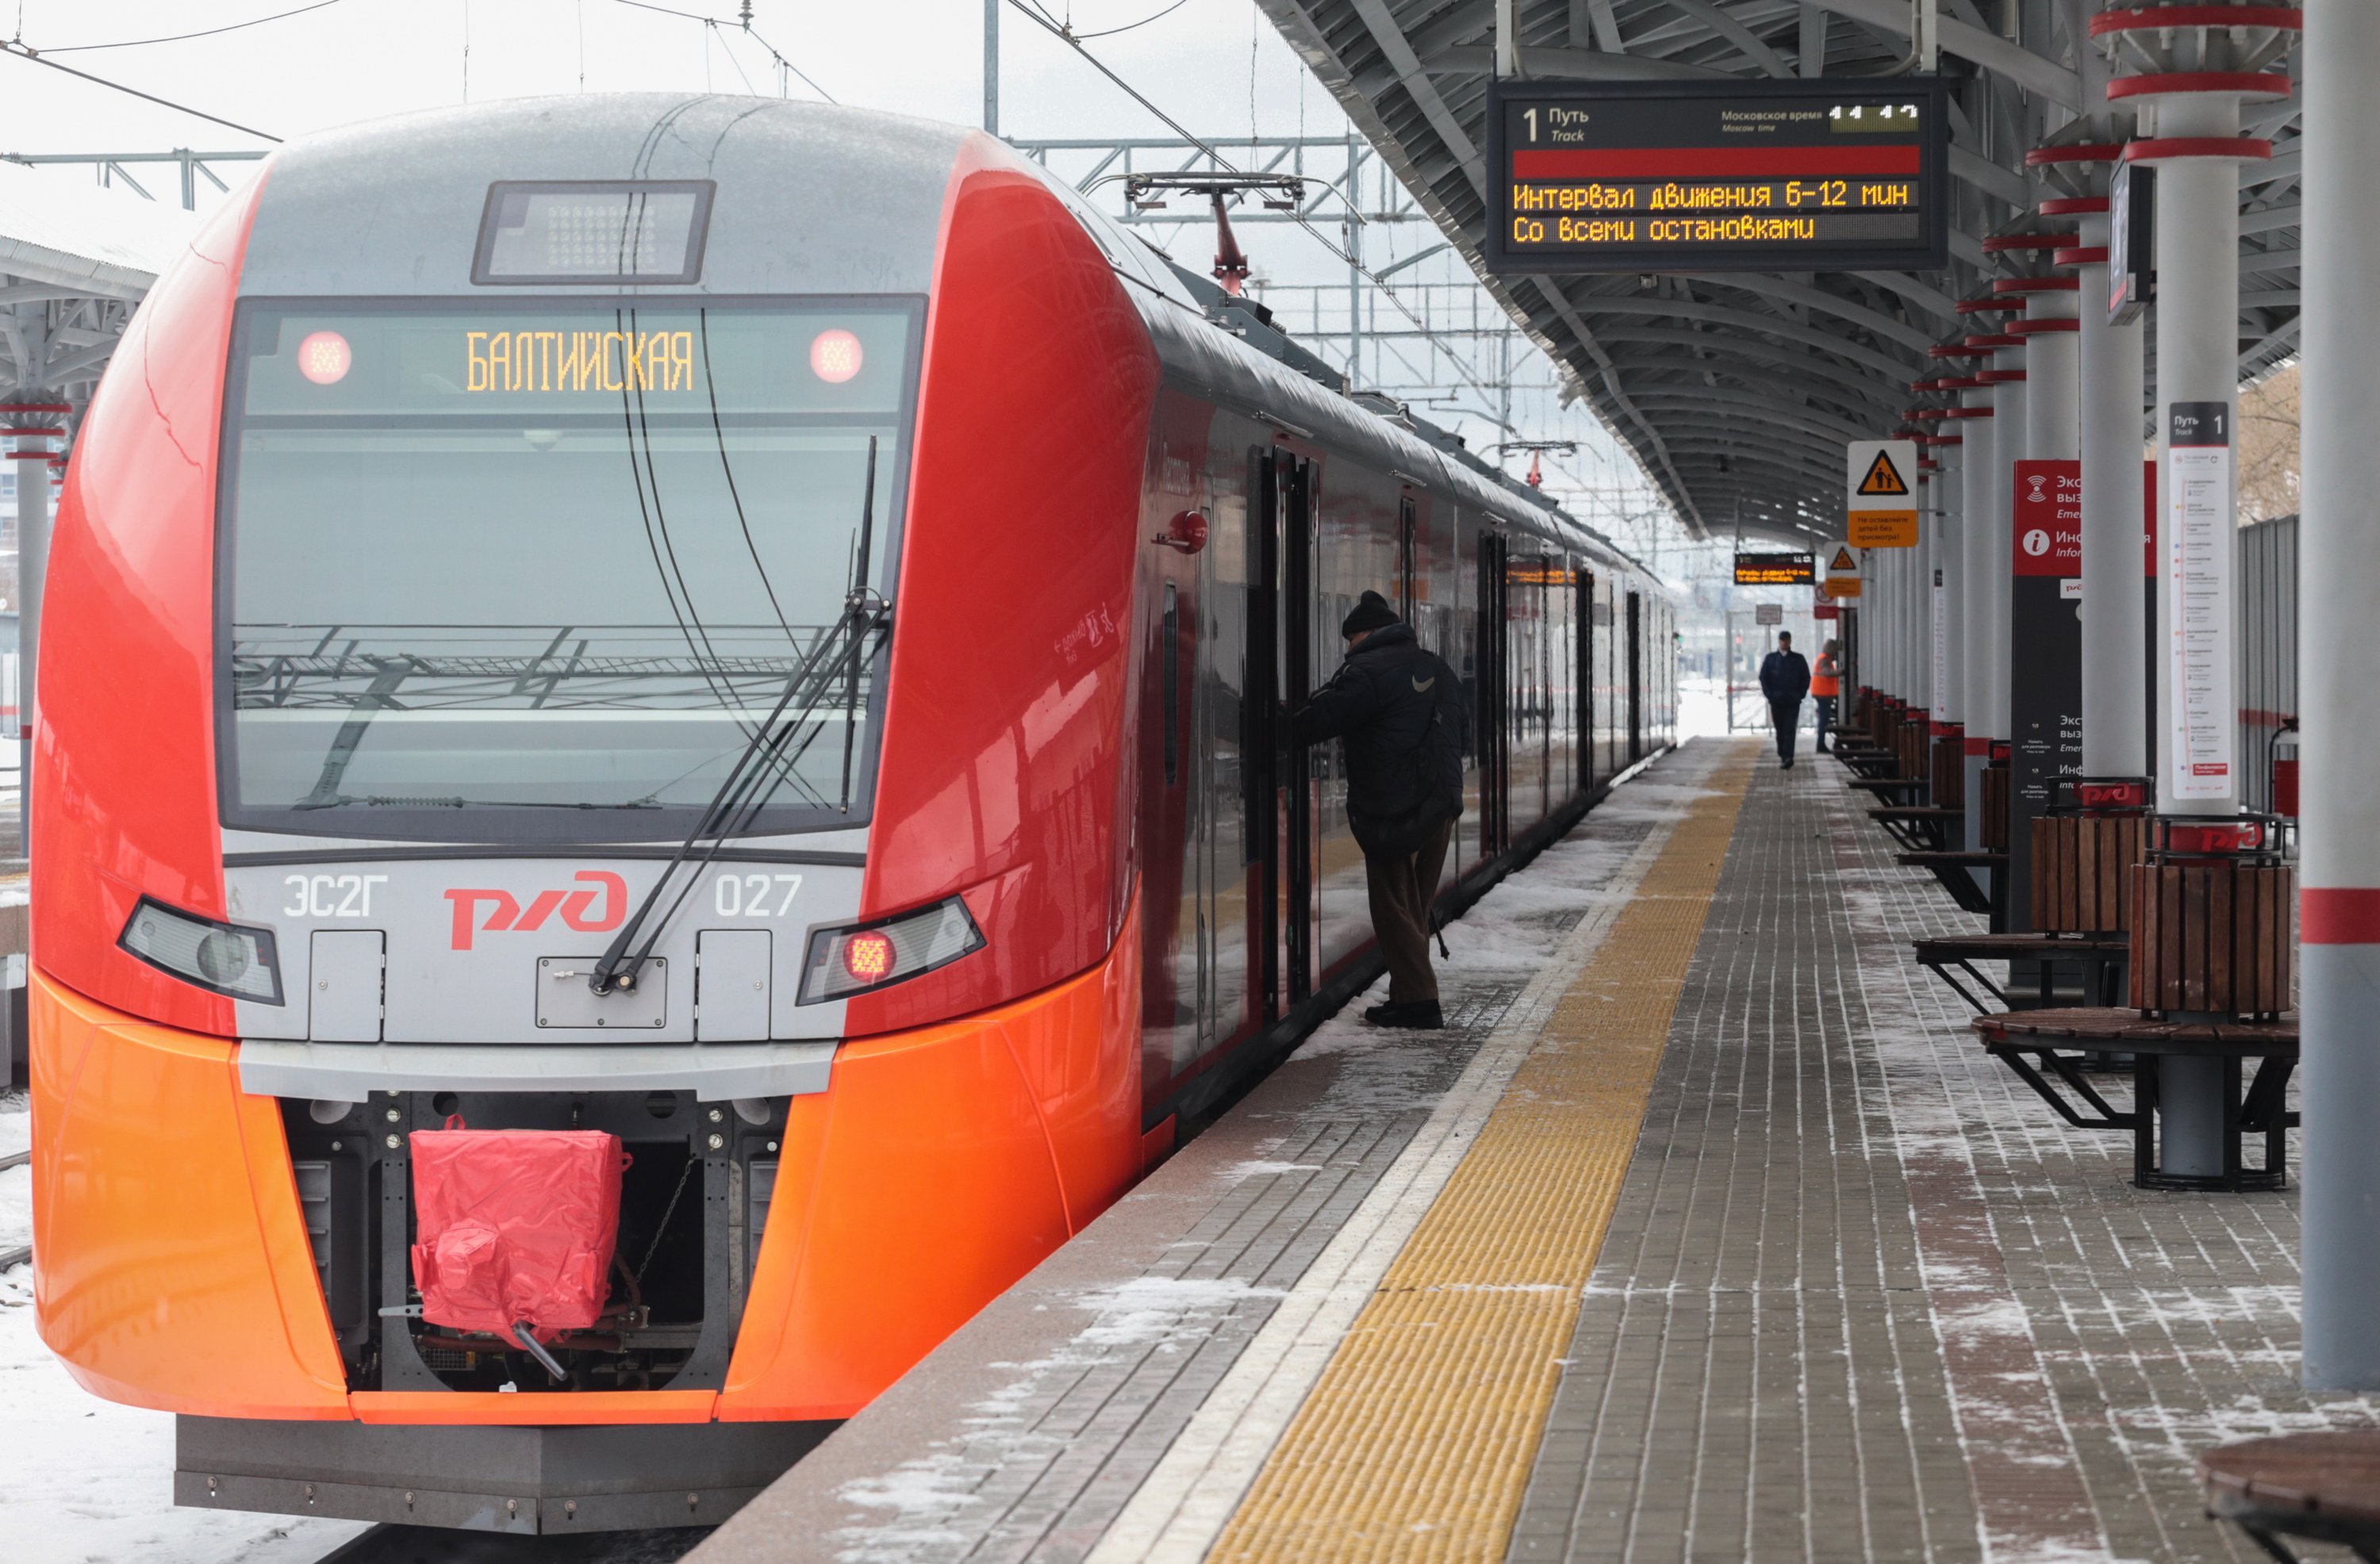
(1489, 721)
(1280, 678)
(1585, 677)
(1300, 539)
(1260, 737)
(1635, 677)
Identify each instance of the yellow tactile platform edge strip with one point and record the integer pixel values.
(1416, 1443)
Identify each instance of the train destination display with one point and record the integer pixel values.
(1716, 175)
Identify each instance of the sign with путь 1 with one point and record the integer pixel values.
(1880, 493)
(1736, 174)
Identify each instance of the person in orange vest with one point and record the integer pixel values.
(1825, 683)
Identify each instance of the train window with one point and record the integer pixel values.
(593, 231)
(537, 570)
(1171, 640)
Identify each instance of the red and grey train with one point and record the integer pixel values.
(753, 627)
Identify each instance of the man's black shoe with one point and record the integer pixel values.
(1425, 1016)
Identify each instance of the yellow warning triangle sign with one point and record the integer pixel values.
(1843, 565)
(1882, 478)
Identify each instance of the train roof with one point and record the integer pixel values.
(1229, 348)
(393, 208)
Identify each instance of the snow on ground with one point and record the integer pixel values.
(1509, 933)
(84, 1481)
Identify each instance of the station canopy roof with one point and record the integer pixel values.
(75, 261)
(1737, 390)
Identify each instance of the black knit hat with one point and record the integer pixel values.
(1371, 612)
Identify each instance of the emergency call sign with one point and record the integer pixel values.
(1716, 175)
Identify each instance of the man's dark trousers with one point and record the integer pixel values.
(1787, 716)
(1401, 887)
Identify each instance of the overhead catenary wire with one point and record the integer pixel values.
(1059, 30)
(185, 37)
(715, 23)
(1128, 27)
(30, 56)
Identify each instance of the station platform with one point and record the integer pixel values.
(1706, 1231)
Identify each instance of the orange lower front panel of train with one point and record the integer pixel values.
(940, 1167)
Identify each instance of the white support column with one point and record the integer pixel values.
(2191, 124)
(2115, 654)
(2052, 427)
(1886, 583)
(1898, 581)
(1921, 594)
(2338, 697)
(2198, 362)
(2008, 424)
(1978, 460)
(1949, 696)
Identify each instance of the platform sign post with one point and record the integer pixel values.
(2044, 657)
(1840, 577)
(1880, 494)
(1635, 176)
(2202, 718)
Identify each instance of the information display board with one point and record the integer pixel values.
(1775, 570)
(1717, 176)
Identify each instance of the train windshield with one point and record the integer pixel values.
(543, 571)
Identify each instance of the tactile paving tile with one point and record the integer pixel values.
(1417, 1442)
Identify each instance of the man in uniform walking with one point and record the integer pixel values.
(1401, 714)
(1785, 679)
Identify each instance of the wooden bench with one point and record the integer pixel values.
(1955, 870)
(1918, 827)
(2102, 961)
(2324, 1486)
(2033, 1042)
(1903, 789)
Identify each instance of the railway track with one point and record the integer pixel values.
(435, 1545)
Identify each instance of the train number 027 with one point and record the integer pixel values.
(755, 895)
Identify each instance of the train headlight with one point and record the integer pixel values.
(225, 957)
(855, 959)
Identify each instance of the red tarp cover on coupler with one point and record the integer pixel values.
(515, 1225)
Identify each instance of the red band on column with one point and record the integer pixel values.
(1979, 746)
(2338, 915)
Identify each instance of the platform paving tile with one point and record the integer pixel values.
(1864, 1298)
(1028, 1433)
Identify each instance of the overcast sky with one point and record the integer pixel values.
(1217, 65)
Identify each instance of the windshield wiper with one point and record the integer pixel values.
(761, 766)
(410, 801)
(380, 697)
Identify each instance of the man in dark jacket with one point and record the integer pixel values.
(1785, 679)
(1399, 712)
